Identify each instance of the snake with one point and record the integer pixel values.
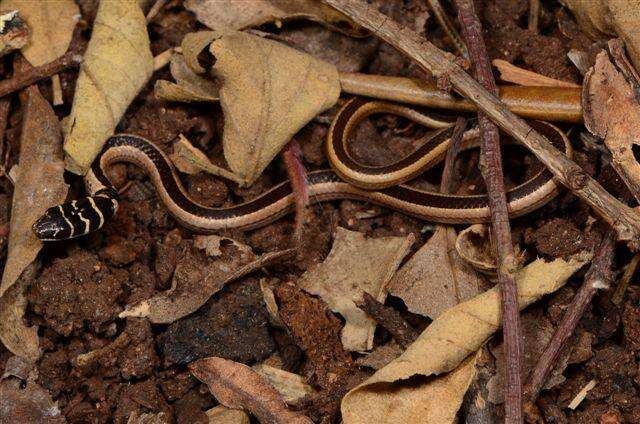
(347, 179)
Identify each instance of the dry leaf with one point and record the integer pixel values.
(234, 15)
(598, 18)
(117, 64)
(223, 415)
(237, 386)
(474, 246)
(189, 87)
(517, 75)
(270, 302)
(151, 418)
(51, 24)
(292, 387)
(39, 183)
(14, 33)
(381, 356)
(454, 335)
(435, 278)
(191, 160)
(612, 111)
(27, 404)
(196, 279)
(356, 264)
(269, 92)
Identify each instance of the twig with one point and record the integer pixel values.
(448, 173)
(491, 167)
(5, 106)
(448, 28)
(621, 288)
(596, 278)
(389, 318)
(28, 77)
(157, 6)
(298, 180)
(622, 218)
(534, 15)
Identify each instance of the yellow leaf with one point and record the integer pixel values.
(269, 92)
(189, 86)
(454, 335)
(118, 63)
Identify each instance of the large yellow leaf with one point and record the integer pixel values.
(118, 63)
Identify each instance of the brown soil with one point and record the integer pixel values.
(84, 285)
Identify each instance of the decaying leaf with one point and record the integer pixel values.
(270, 302)
(191, 160)
(39, 183)
(14, 32)
(381, 356)
(457, 333)
(233, 15)
(598, 18)
(269, 91)
(435, 278)
(25, 402)
(612, 111)
(292, 387)
(474, 246)
(237, 386)
(117, 64)
(196, 278)
(517, 75)
(356, 264)
(223, 415)
(150, 418)
(189, 86)
(51, 24)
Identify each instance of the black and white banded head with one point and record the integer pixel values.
(76, 218)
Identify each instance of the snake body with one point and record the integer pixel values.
(382, 185)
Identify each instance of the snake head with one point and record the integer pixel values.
(76, 218)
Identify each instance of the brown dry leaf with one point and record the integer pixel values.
(150, 418)
(517, 75)
(189, 86)
(196, 278)
(233, 15)
(599, 18)
(435, 278)
(223, 415)
(454, 335)
(356, 264)
(380, 356)
(292, 387)
(191, 160)
(237, 386)
(25, 402)
(117, 64)
(14, 32)
(611, 111)
(269, 92)
(51, 24)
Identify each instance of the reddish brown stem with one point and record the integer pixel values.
(298, 178)
(448, 173)
(491, 166)
(596, 278)
(30, 76)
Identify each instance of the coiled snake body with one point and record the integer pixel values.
(381, 185)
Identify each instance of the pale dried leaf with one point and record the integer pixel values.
(189, 87)
(39, 183)
(380, 356)
(14, 32)
(517, 75)
(292, 387)
(30, 404)
(269, 92)
(454, 335)
(356, 264)
(270, 302)
(592, 16)
(211, 244)
(192, 46)
(611, 111)
(195, 280)
(150, 418)
(191, 160)
(234, 15)
(474, 246)
(237, 386)
(117, 64)
(435, 278)
(223, 415)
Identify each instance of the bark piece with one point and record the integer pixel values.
(517, 75)
(118, 63)
(238, 386)
(356, 264)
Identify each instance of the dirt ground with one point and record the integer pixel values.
(85, 284)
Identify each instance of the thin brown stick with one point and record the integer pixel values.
(491, 167)
(448, 173)
(447, 26)
(534, 15)
(597, 277)
(157, 6)
(292, 157)
(622, 218)
(30, 76)
(389, 318)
